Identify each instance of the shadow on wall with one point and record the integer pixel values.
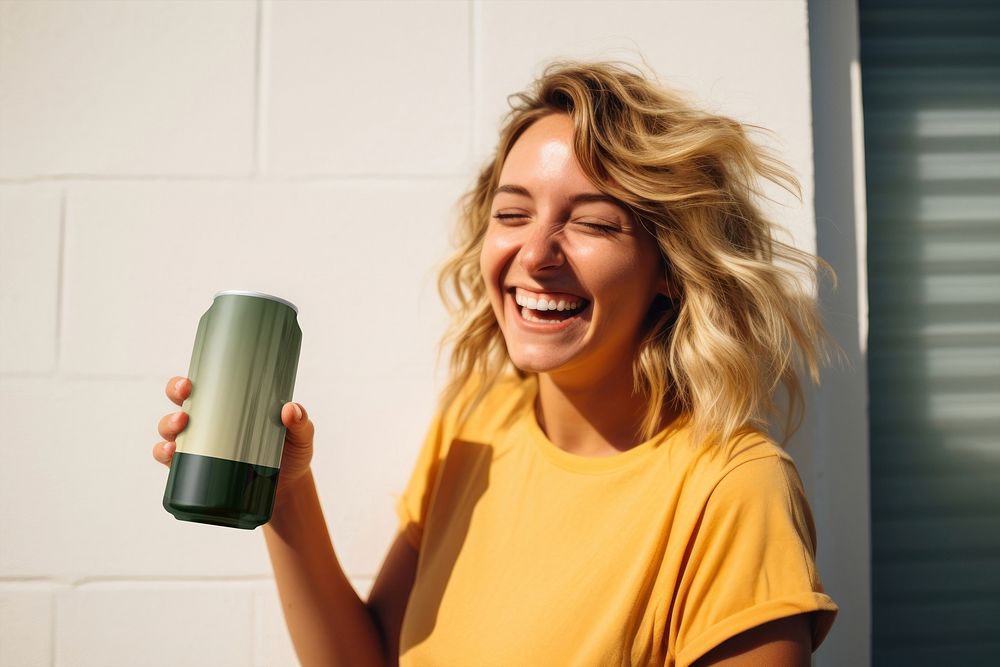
(932, 143)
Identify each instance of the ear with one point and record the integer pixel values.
(663, 287)
(667, 286)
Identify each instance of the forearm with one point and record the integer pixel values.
(328, 623)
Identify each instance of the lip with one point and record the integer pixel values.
(514, 311)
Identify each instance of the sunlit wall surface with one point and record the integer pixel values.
(931, 90)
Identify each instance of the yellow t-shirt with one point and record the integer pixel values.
(530, 555)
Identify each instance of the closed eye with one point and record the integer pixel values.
(598, 227)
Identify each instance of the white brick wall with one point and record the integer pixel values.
(353, 83)
(126, 88)
(153, 153)
(26, 623)
(30, 239)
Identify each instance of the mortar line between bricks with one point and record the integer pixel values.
(260, 86)
(70, 376)
(237, 179)
(255, 651)
(474, 82)
(53, 629)
(72, 582)
(188, 579)
(60, 273)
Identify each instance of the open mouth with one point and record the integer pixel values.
(548, 307)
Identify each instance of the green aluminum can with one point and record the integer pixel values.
(246, 354)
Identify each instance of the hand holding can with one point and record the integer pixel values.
(226, 465)
(296, 454)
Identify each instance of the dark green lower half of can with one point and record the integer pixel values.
(218, 491)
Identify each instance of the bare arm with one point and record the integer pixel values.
(784, 642)
(328, 623)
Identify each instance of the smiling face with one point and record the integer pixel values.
(569, 273)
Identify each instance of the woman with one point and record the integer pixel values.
(596, 487)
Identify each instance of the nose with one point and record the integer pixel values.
(542, 249)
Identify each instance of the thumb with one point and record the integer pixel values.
(299, 427)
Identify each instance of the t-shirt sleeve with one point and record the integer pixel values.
(413, 503)
(752, 560)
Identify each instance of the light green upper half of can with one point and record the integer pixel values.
(243, 367)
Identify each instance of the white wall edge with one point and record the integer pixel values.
(840, 406)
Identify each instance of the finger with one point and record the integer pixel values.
(164, 452)
(300, 429)
(172, 424)
(178, 389)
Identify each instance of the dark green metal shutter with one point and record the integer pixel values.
(931, 96)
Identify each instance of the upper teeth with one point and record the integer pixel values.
(541, 303)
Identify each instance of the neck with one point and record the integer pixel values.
(601, 418)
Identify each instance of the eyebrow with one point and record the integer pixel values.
(582, 197)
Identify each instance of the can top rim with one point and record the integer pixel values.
(259, 294)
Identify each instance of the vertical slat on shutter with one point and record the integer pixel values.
(931, 95)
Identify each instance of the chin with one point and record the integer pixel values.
(534, 363)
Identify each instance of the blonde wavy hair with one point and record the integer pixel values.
(742, 323)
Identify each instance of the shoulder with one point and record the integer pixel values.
(753, 500)
(473, 415)
(746, 446)
(753, 480)
(753, 460)
(718, 468)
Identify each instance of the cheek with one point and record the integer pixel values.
(487, 265)
(628, 283)
(494, 258)
(490, 266)
(606, 267)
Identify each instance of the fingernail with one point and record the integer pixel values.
(178, 385)
(298, 412)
